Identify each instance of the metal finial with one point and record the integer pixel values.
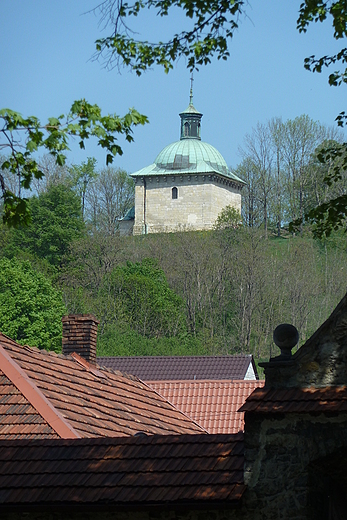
(191, 89)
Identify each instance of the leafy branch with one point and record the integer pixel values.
(23, 137)
(318, 11)
(214, 24)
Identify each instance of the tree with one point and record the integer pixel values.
(90, 258)
(195, 269)
(109, 197)
(53, 174)
(281, 167)
(318, 11)
(251, 212)
(332, 214)
(213, 23)
(301, 136)
(81, 176)
(56, 220)
(276, 132)
(23, 137)
(229, 217)
(30, 308)
(259, 153)
(139, 294)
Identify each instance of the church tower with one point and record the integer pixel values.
(188, 184)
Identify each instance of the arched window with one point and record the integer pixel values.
(174, 193)
(186, 129)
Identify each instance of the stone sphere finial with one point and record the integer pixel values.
(286, 336)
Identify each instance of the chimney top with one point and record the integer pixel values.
(79, 335)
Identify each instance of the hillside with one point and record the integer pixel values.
(215, 292)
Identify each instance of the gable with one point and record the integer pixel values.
(18, 418)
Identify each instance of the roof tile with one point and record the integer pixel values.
(298, 400)
(168, 368)
(93, 402)
(212, 404)
(119, 470)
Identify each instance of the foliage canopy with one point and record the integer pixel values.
(30, 308)
(56, 220)
(22, 137)
(143, 298)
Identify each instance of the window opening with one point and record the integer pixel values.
(174, 193)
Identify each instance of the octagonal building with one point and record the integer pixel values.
(187, 186)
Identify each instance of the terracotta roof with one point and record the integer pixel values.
(66, 396)
(300, 400)
(168, 368)
(212, 404)
(18, 417)
(124, 472)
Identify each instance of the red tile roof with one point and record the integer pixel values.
(212, 404)
(65, 396)
(18, 416)
(168, 368)
(124, 472)
(299, 400)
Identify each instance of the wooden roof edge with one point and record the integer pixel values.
(207, 504)
(36, 398)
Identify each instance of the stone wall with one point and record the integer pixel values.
(200, 200)
(282, 454)
(125, 228)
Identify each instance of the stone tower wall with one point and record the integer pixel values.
(200, 200)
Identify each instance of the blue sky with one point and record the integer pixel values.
(45, 64)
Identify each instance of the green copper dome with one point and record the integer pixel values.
(191, 154)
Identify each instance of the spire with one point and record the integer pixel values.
(191, 89)
(190, 118)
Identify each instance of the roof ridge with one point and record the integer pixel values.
(88, 366)
(202, 381)
(177, 357)
(35, 397)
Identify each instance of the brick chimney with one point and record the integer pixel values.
(79, 335)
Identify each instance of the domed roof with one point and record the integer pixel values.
(188, 154)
